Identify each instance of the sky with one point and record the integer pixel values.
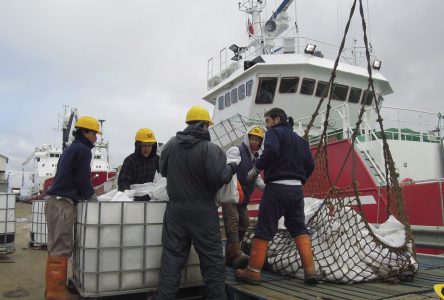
(140, 63)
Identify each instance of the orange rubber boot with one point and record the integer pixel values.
(56, 273)
(303, 243)
(252, 274)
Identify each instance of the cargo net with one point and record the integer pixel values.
(346, 247)
(107, 186)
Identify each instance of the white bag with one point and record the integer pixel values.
(228, 193)
(160, 191)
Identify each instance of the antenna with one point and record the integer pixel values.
(101, 127)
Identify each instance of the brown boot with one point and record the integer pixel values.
(56, 273)
(252, 274)
(238, 260)
(303, 243)
(228, 260)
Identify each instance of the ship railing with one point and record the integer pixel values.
(277, 45)
(340, 128)
(338, 124)
(231, 131)
(409, 124)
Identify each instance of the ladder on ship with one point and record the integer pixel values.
(231, 131)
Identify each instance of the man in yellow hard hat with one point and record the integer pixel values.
(142, 165)
(72, 183)
(287, 163)
(195, 169)
(235, 216)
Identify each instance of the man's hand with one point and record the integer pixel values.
(234, 166)
(93, 198)
(252, 175)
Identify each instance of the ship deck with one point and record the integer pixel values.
(278, 287)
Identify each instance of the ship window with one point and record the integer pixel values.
(51, 155)
(249, 86)
(308, 85)
(220, 102)
(321, 86)
(43, 165)
(234, 96)
(355, 95)
(367, 98)
(288, 85)
(266, 90)
(241, 91)
(38, 159)
(227, 99)
(340, 92)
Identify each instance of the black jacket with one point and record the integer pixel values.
(285, 156)
(195, 168)
(73, 175)
(138, 169)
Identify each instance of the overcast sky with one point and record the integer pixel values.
(142, 63)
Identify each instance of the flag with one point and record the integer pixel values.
(250, 28)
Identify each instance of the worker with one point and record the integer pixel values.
(195, 169)
(141, 166)
(235, 216)
(72, 183)
(287, 163)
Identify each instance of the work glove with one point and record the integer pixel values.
(260, 184)
(142, 198)
(234, 167)
(252, 175)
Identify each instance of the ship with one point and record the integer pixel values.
(278, 68)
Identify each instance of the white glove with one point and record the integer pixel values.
(233, 155)
(260, 183)
(252, 175)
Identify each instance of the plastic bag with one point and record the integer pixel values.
(228, 193)
(160, 191)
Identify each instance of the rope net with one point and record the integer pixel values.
(107, 186)
(347, 248)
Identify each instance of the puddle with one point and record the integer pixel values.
(18, 292)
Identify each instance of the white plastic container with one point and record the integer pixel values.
(7, 223)
(118, 249)
(39, 228)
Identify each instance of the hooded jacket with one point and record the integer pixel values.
(245, 165)
(137, 169)
(285, 156)
(195, 168)
(73, 175)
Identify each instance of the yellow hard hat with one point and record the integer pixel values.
(90, 123)
(198, 113)
(145, 135)
(439, 289)
(257, 131)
